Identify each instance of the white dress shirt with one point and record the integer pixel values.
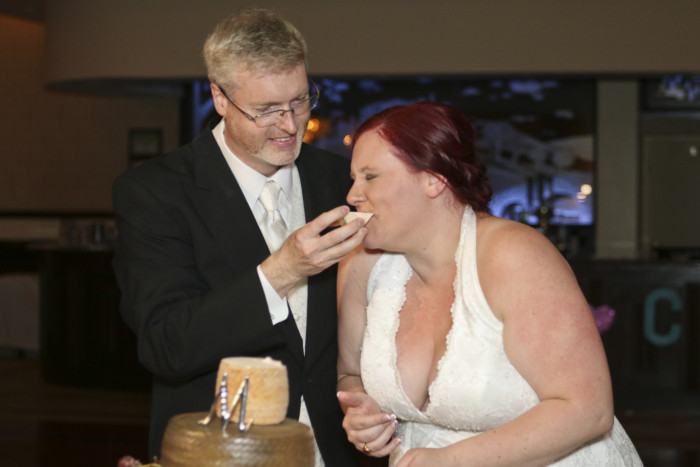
(252, 182)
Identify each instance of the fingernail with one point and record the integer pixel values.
(395, 423)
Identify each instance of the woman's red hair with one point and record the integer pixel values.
(436, 138)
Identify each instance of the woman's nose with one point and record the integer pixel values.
(353, 197)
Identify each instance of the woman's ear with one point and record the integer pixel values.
(435, 184)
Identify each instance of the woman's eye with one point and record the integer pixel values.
(370, 176)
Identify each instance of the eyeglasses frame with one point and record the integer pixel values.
(280, 112)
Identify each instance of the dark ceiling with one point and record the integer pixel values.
(32, 10)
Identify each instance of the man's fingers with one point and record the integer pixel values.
(322, 252)
(327, 219)
(338, 251)
(305, 253)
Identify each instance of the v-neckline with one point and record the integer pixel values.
(448, 337)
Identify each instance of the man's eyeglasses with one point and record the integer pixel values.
(296, 107)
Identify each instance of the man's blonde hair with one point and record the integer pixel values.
(255, 40)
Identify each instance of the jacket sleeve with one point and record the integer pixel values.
(185, 321)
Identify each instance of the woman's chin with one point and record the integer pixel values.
(371, 243)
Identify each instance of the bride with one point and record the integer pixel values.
(464, 338)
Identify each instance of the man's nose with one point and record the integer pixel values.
(288, 121)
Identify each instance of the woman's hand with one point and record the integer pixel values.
(368, 428)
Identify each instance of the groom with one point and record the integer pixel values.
(201, 274)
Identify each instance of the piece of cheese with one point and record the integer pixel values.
(351, 216)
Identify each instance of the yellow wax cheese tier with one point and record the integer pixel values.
(268, 388)
(187, 443)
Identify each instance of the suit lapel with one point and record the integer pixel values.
(220, 201)
(223, 207)
(318, 198)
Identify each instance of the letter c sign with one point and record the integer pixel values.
(674, 333)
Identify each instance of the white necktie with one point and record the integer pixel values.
(272, 225)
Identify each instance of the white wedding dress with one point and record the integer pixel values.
(477, 388)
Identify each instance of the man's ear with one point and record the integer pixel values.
(220, 101)
(435, 184)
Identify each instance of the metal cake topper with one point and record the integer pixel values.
(222, 398)
(244, 398)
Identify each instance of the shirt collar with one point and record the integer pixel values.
(250, 180)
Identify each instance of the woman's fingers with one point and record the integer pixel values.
(386, 449)
(369, 429)
(361, 422)
(383, 444)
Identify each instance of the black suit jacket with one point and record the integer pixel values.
(186, 258)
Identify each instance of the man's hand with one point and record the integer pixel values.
(306, 252)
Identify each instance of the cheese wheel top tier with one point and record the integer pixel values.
(268, 388)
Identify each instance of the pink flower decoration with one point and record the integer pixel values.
(604, 317)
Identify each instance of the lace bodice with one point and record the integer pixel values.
(476, 388)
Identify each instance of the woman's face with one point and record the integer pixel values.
(384, 186)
